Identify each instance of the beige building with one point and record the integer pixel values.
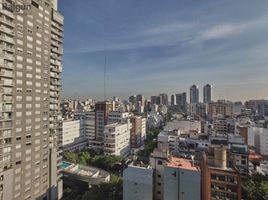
(220, 107)
(30, 118)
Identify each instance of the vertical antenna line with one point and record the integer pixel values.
(104, 79)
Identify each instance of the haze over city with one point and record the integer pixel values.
(165, 46)
(133, 100)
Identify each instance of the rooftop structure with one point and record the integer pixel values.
(90, 175)
(182, 163)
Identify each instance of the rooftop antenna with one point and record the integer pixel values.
(104, 78)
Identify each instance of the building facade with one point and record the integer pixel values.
(181, 101)
(221, 107)
(207, 93)
(73, 137)
(194, 94)
(218, 180)
(31, 124)
(137, 183)
(117, 139)
(182, 180)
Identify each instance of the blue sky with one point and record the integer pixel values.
(156, 46)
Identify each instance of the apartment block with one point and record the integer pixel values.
(181, 101)
(182, 180)
(30, 118)
(73, 137)
(138, 131)
(158, 160)
(117, 139)
(258, 138)
(218, 180)
(221, 107)
(137, 183)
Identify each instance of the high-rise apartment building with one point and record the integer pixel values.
(30, 119)
(164, 99)
(154, 100)
(181, 102)
(173, 100)
(140, 99)
(207, 93)
(194, 94)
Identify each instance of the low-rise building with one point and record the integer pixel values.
(183, 126)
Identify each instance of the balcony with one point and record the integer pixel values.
(7, 39)
(6, 65)
(6, 83)
(5, 118)
(54, 75)
(6, 91)
(8, 48)
(6, 74)
(7, 30)
(4, 126)
(7, 22)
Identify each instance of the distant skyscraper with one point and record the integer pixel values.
(194, 94)
(164, 99)
(133, 99)
(154, 99)
(173, 99)
(140, 98)
(207, 93)
(181, 102)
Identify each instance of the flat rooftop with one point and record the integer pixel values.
(182, 163)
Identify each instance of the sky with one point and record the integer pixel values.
(165, 46)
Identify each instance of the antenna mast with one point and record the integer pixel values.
(104, 78)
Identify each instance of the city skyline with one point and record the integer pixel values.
(161, 47)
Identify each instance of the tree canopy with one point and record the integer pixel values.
(255, 187)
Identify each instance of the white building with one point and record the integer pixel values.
(73, 136)
(137, 183)
(182, 180)
(89, 125)
(143, 128)
(117, 117)
(258, 137)
(183, 126)
(117, 139)
(172, 141)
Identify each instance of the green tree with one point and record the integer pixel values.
(83, 158)
(255, 187)
(70, 156)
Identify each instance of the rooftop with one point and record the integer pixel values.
(182, 163)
